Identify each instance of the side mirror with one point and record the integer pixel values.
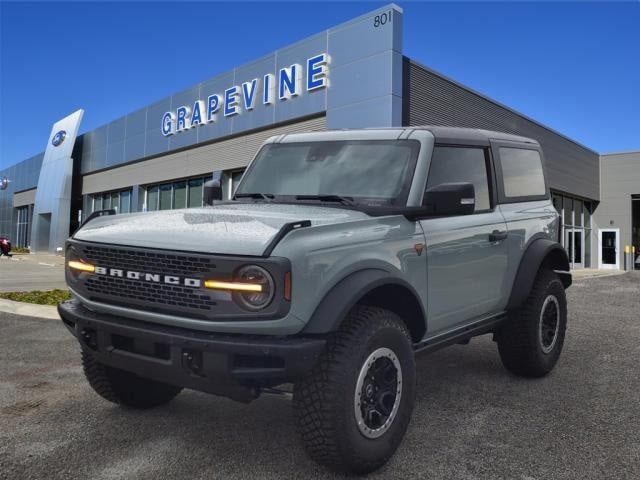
(213, 188)
(448, 199)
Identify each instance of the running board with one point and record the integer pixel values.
(460, 335)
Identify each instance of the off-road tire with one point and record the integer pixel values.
(324, 401)
(125, 388)
(520, 340)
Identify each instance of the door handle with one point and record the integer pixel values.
(497, 236)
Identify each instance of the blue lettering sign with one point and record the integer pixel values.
(268, 89)
(289, 84)
(284, 84)
(213, 105)
(231, 101)
(317, 72)
(167, 124)
(181, 118)
(196, 116)
(249, 93)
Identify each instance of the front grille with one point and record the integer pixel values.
(167, 295)
(147, 261)
(140, 281)
(159, 297)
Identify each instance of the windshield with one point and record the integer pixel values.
(364, 172)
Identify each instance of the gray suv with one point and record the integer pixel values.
(341, 255)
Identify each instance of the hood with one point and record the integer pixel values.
(231, 229)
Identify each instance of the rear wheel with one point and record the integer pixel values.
(531, 341)
(352, 411)
(125, 388)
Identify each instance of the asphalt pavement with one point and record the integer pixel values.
(472, 420)
(31, 272)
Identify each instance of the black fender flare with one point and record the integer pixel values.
(346, 293)
(538, 251)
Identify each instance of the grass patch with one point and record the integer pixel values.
(51, 297)
(20, 250)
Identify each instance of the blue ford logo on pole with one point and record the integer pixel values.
(58, 138)
(4, 183)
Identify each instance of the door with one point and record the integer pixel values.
(574, 244)
(467, 254)
(608, 248)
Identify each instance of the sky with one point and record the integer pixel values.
(573, 66)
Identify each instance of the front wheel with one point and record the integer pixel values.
(353, 410)
(531, 341)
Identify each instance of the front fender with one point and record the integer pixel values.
(345, 294)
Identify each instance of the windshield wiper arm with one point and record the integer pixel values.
(263, 196)
(328, 198)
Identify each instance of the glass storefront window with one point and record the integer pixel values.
(125, 201)
(97, 203)
(180, 195)
(115, 201)
(195, 192)
(165, 197)
(152, 198)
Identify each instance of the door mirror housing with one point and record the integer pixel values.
(449, 199)
(213, 188)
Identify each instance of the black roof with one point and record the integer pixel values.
(474, 135)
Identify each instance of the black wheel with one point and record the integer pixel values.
(531, 340)
(125, 388)
(353, 410)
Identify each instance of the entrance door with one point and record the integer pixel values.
(574, 243)
(608, 248)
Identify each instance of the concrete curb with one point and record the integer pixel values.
(29, 309)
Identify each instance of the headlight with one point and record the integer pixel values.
(254, 275)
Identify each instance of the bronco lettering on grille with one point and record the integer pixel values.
(149, 277)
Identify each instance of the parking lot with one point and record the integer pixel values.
(31, 272)
(472, 419)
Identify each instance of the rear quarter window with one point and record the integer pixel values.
(522, 173)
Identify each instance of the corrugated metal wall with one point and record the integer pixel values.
(235, 152)
(431, 99)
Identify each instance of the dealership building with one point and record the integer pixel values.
(353, 75)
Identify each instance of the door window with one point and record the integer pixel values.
(461, 164)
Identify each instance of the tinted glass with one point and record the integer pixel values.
(235, 180)
(165, 197)
(461, 164)
(522, 172)
(371, 172)
(195, 193)
(125, 201)
(180, 195)
(152, 198)
(115, 201)
(106, 201)
(97, 203)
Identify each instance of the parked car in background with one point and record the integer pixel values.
(5, 246)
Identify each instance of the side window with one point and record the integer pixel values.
(461, 164)
(522, 172)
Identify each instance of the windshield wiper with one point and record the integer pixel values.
(328, 198)
(262, 196)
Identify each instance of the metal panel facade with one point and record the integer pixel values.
(364, 89)
(431, 99)
(619, 180)
(22, 176)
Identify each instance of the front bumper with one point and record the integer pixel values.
(234, 366)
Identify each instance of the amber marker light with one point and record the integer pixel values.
(81, 266)
(235, 286)
(287, 286)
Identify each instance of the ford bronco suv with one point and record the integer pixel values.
(341, 255)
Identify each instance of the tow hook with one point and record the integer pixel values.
(192, 361)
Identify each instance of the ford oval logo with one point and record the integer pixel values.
(58, 138)
(4, 183)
